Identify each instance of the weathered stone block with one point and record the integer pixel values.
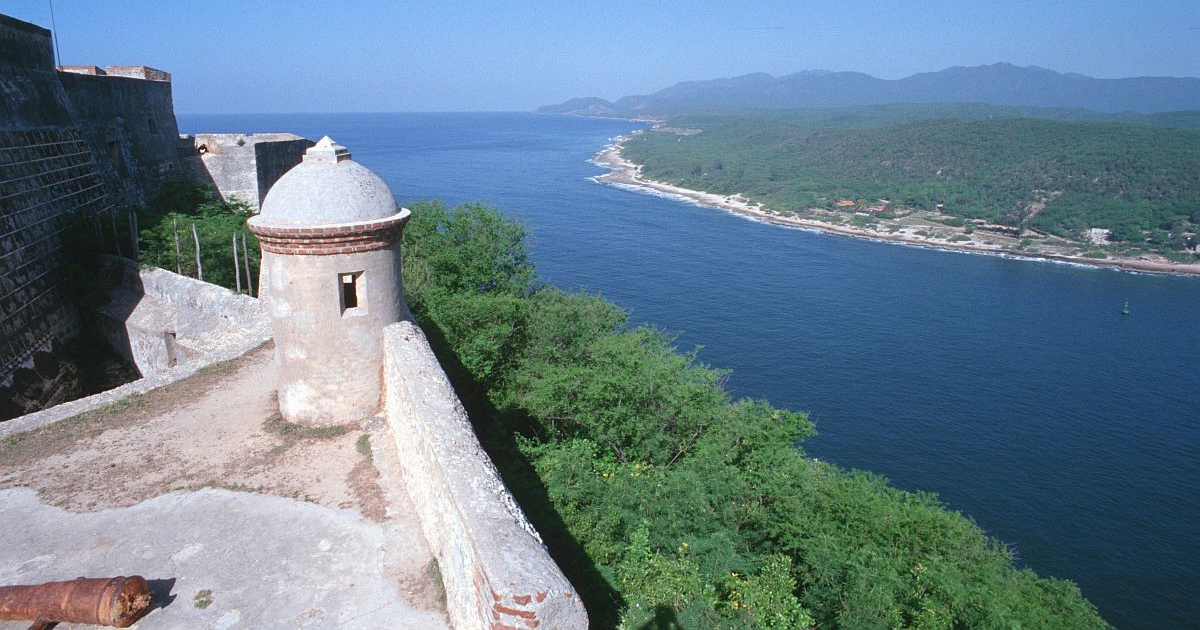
(496, 571)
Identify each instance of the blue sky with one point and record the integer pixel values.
(323, 56)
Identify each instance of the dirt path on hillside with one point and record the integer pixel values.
(219, 428)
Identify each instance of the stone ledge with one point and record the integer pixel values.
(496, 571)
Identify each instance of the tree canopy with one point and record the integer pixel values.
(1075, 176)
(665, 500)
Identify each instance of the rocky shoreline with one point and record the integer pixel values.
(627, 174)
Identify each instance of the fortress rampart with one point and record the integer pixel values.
(170, 326)
(243, 167)
(495, 569)
(48, 176)
(79, 145)
(130, 124)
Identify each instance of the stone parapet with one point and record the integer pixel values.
(242, 167)
(92, 70)
(138, 72)
(495, 569)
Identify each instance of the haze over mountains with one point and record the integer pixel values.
(997, 84)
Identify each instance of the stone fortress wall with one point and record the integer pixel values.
(91, 143)
(242, 167)
(495, 568)
(129, 121)
(169, 326)
(48, 174)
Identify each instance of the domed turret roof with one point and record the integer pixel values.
(326, 188)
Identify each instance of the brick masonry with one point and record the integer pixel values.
(46, 177)
(328, 240)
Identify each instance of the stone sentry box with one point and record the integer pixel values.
(330, 233)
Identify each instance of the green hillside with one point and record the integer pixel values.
(1141, 182)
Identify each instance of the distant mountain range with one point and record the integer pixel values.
(997, 84)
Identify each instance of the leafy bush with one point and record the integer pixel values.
(668, 503)
(172, 215)
(1126, 232)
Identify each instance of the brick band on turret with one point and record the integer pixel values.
(328, 240)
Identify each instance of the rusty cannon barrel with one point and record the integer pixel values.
(117, 601)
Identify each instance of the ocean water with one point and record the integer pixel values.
(1013, 389)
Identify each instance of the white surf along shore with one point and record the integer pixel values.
(915, 229)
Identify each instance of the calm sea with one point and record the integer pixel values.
(1013, 389)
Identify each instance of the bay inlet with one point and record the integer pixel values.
(1015, 390)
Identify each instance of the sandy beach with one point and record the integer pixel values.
(626, 174)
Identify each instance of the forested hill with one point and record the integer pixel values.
(1122, 177)
(996, 84)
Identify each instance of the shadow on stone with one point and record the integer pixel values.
(160, 593)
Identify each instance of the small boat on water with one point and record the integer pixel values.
(1125, 309)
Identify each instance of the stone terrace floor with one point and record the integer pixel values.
(238, 518)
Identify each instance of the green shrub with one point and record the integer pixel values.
(668, 503)
(172, 215)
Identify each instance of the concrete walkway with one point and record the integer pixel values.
(227, 559)
(244, 521)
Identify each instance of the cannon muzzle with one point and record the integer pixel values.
(117, 601)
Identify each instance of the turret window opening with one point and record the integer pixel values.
(353, 297)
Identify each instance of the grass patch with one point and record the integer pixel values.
(433, 575)
(236, 487)
(276, 424)
(363, 446)
(959, 238)
(221, 368)
(124, 406)
(203, 599)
